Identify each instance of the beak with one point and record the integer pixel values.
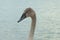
(22, 17)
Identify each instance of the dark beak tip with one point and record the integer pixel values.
(17, 21)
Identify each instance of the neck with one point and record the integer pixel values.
(31, 35)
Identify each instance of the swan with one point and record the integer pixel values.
(29, 12)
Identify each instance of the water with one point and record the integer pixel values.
(48, 19)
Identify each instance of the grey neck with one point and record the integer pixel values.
(32, 30)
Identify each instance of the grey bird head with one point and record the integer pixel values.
(27, 13)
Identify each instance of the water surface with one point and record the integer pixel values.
(48, 19)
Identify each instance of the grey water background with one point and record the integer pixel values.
(48, 19)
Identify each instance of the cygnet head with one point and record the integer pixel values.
(27, 13)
